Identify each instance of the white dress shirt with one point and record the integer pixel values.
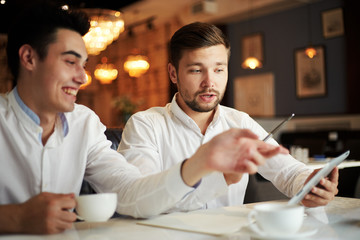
(77, 148)
(160, 137)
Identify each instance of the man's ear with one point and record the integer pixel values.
(172, 73)
(27, 56)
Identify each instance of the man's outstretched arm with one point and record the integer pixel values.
(235, 151)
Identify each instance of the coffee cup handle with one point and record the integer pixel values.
(253, 225)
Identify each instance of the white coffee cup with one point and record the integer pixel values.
(96, 207)
(276, 219)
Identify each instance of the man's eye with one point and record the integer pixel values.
(70, 62)
(219, 70)
(195, 70)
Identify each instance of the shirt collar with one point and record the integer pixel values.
(35, 117)
(25, 108)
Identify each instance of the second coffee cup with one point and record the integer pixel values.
(276, 218)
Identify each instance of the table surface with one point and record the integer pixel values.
(338, 220)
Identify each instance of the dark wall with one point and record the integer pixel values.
(352, 20)
(284, 32)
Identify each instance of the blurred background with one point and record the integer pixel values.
(287, 56)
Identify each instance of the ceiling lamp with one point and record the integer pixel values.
(105, 27)
(252, 60)
(136, 65)
(105, 72)
(252, 63)
(310, 51)
(88, 80)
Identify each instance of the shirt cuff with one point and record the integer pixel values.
(212, 186)
(175, 184)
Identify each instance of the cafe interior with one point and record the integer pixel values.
(298, 56)
(287, 56)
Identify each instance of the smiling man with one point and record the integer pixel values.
(159, 138)
(57, 78)
(49, 144)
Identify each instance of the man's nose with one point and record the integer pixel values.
(207, 80)
(81, 77)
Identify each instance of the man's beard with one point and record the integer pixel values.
(195, 106)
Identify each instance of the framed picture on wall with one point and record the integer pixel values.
(255, 95)
(332, 23)
(310, 73)
(252, 46)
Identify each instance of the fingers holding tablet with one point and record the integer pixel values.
(324, 192)
(312, 194)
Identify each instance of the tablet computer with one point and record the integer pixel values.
(317, 177)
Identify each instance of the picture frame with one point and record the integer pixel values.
(255, 94)
(310, 73)
(332, 23)
(252, 46)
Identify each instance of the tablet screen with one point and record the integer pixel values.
(317, 177)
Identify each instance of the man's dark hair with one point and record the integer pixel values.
(37, 26)
(195, 35)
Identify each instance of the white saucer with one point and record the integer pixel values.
(303, 232)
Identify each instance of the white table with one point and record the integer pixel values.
(339, 220)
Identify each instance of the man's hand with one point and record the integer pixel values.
(43, 214)
(232, 152)
(237, 151)
(325, 192)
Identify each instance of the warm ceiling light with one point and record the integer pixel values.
(105, 72)
(310, 52)
(88, 80)
(105, 27)
(252, 60)
(136, 65)
(252, 63)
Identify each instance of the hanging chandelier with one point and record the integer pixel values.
(105, 72)
(136, 65)
(105, 27)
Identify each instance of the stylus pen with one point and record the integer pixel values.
(277, 128)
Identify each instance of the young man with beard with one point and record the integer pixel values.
(161, 137)
(49, 144)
